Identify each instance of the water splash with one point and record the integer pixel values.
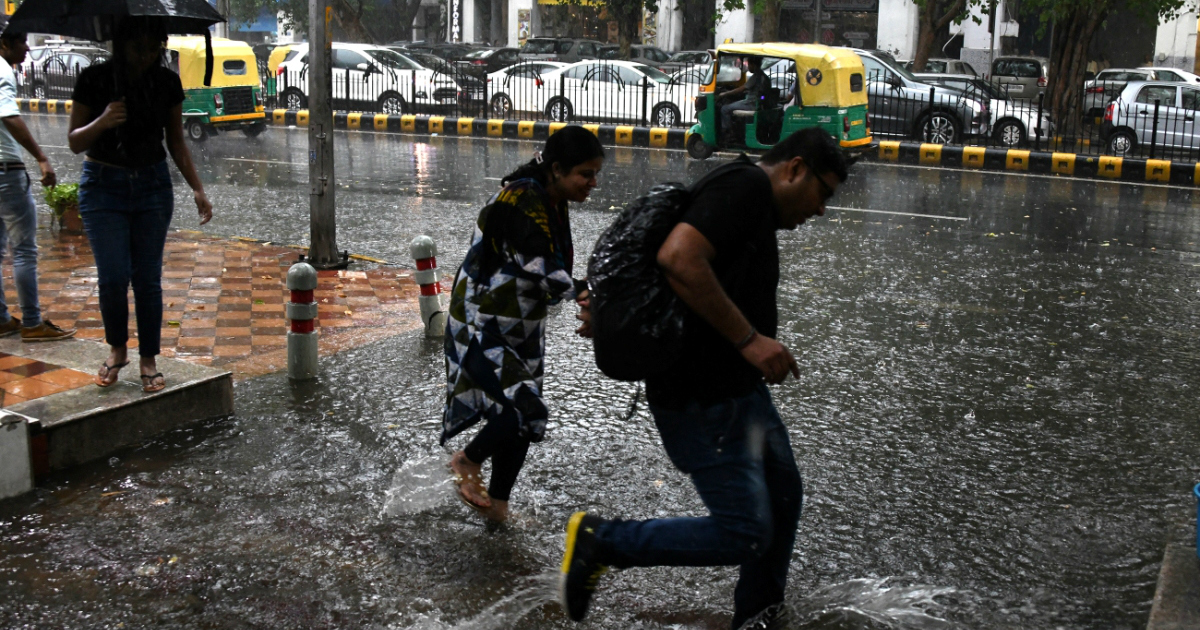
(535, 591)
(866, 601)
(419, 485)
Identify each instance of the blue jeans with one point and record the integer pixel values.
(740, 459)
(18, 225)
(126, 213)
(727, 112)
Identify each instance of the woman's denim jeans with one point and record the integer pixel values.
(739, 457)
(126, 213)
(18, 225)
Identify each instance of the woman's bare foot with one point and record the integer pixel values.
(468, 475)
(498, 513)
(111, 368)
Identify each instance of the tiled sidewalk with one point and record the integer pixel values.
(223, 306)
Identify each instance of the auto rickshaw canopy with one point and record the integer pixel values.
(226, 53)
(826, 74)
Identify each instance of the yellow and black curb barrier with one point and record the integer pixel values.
(903, 152)
(614, 135)
(1041, 162)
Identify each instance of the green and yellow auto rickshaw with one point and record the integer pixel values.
(234, 99)
(810, 86)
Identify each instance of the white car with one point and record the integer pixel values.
(519, 87)
(695, 75)
(613, 90)
(373, 78)
(1013, 122)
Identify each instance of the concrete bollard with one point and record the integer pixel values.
(424, 251)
(16, 470)
(302, 312)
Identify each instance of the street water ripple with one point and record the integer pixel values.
(995, 424)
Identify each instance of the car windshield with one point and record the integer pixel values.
(391, 59)
(539, 47)
(480, 54)
(610, 52)
(433, 62)
(656, 75)
(897, 68)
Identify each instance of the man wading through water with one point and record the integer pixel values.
(713, 410)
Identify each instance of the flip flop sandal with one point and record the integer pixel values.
(477, 482)
(148, 385)
(102, 379)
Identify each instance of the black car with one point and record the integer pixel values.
(449, 52)
(484, 62)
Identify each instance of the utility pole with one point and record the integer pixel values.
(223, 27)
(817, 22)
(322, 249)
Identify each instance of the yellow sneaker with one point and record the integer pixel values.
(46, 331)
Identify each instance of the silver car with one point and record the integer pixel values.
(945, 66)
(1021, 77)
(1152, 113)
(900, 104)
(1014, 123)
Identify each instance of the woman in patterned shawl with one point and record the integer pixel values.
(519, 263)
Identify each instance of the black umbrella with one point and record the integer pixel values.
(97, 19)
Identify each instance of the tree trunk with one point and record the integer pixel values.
(769, 21)
(349, 16)
(935, 15)
(698, 21)
(1073, 35)
(407, 11)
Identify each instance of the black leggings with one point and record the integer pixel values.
(499, 440)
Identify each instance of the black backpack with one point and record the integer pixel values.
(637, 319)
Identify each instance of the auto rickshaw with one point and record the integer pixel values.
(233, 101)
(810, 86)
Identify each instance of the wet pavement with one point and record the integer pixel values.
(994, 421)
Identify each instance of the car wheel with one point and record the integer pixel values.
(501, 105)
(391, 104)
(559, 110)
(39, 91)
(195, 130)
(1122, 143)
(938, 128)
(254, 130)
(665, 115)
(1010, 133)
(294, 99)
(698, 148)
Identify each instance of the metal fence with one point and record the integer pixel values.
(1148, 120)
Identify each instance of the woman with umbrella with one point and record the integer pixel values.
(122, 108)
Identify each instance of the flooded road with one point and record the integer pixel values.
(994, 421)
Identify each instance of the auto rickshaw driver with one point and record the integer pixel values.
(753, 88)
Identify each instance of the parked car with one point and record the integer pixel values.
(520, 87)
(902, 105)
(945, 66)
(484, 62)
(560, 49)
(686, 59)
(614, 90)
(448, 51)
(649, 55)
(1130, 121)
(1109, 84)
(374, 78)
(53, 77)
(473, 90)
(1012, 123)
(694, 76)
(1021, 77)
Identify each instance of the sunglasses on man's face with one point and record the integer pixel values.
(826, 191)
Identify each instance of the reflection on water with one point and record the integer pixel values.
(994, 424)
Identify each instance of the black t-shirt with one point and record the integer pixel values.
(736, 212)
(148, 103)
